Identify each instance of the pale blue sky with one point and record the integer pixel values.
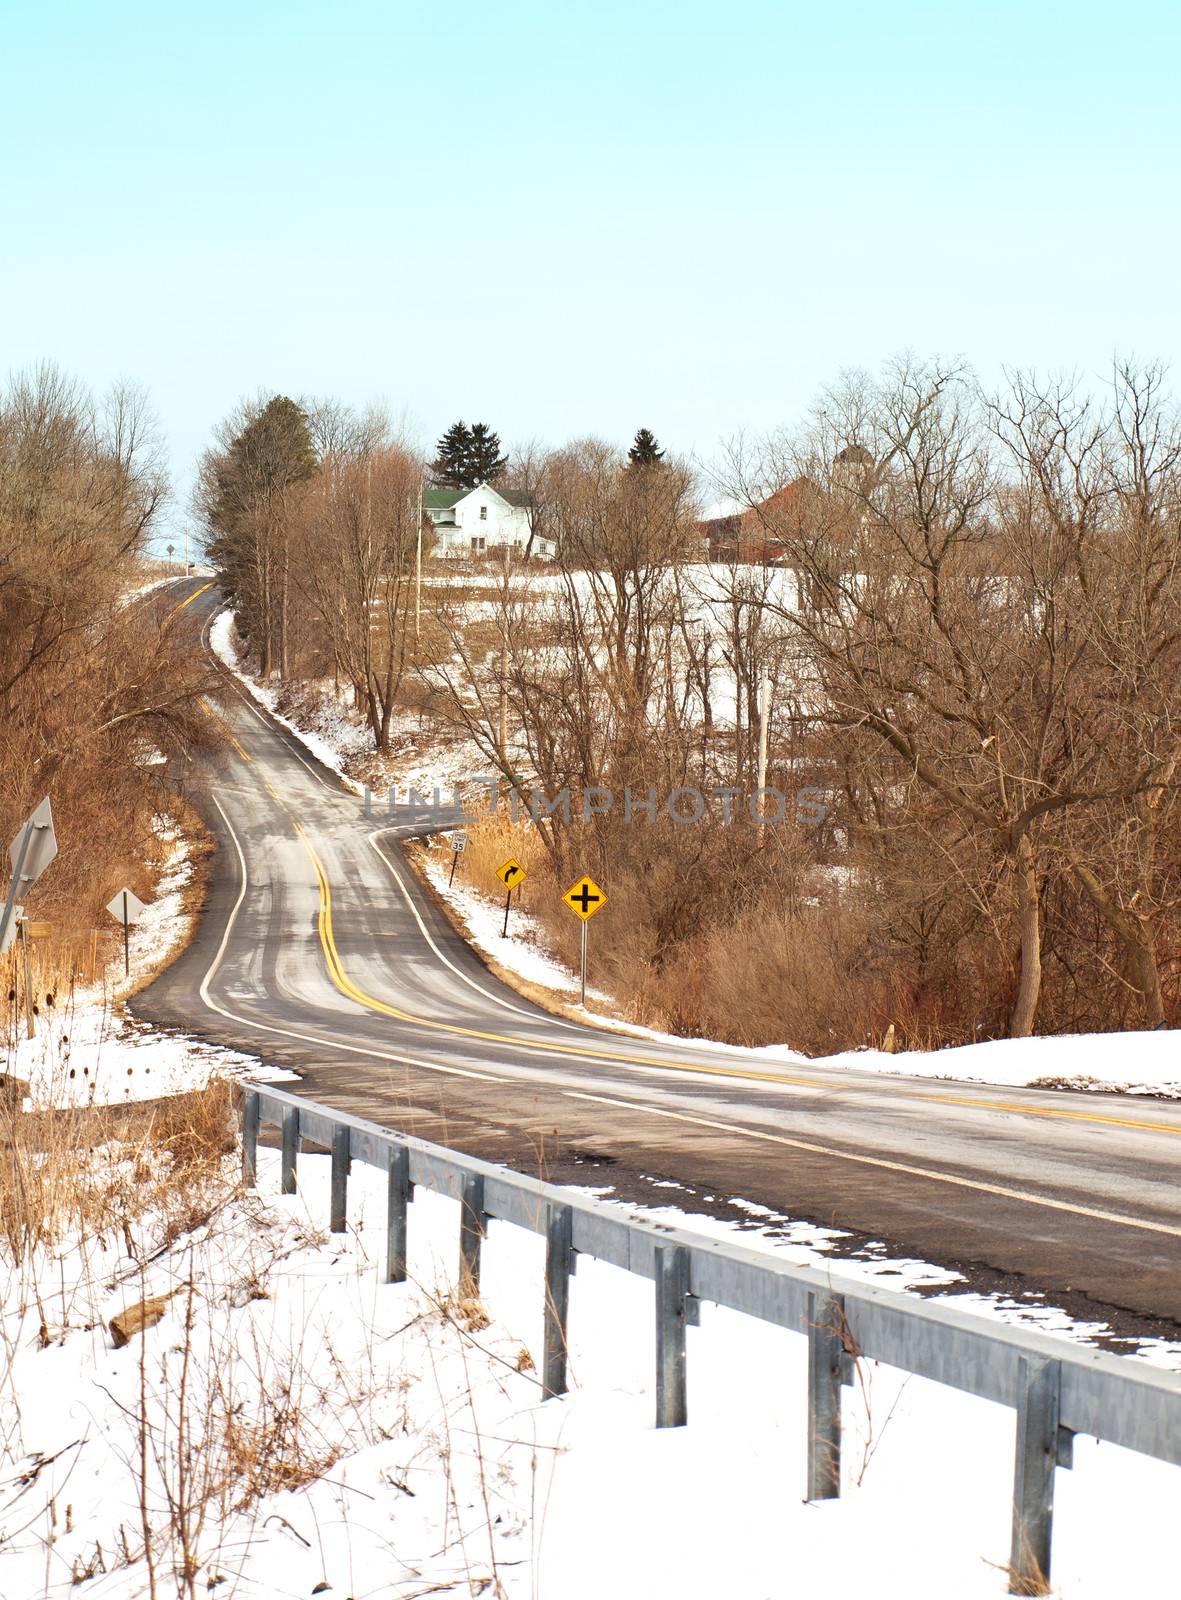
(567, 218)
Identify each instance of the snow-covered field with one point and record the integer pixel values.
(345, 1437)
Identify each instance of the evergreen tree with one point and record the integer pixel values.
(485, 462)
(449, 469)
(644, 451)
(467, 457)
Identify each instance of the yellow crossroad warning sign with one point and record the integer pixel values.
(512, 874)
(585, 898)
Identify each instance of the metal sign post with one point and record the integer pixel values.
(512, 875)
(584, 898)
(458, 846)
(30, 1021)
(126, 908)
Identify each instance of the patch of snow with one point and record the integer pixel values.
(441, 1470)
(89, 1055)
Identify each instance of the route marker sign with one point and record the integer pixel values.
(512, 874)
(126, 908)
(584, 898)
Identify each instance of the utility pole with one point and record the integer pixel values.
(418, 571)
(186, 552)
(505, 595)
(764, 719)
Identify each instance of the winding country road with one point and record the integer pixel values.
(323, 952)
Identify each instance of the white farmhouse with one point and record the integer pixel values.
(469, 522)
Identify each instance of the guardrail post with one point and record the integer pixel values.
(471, 1233)
(1038, 1388)
(251, 1116)
(398, 1196)
(290, 1147)
(672, 1291)
(826, 1361)
(559, 1231)
(340, 1178)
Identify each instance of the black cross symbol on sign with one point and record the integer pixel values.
(585, 898)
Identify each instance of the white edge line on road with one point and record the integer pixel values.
(499, 1000)
(290, 1033)
(628, 1105)
(891, 1166)
(725, 1127)
(290, 745)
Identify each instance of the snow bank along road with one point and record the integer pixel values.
(322, 951)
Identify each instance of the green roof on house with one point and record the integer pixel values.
(442, 499)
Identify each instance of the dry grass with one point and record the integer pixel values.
(491, 841)
(161, 1158)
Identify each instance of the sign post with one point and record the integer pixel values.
(458, 846)
(126, 908)
(584, 898)
(512, 875)
(30, 1018)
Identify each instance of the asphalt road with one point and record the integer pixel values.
(322, 951)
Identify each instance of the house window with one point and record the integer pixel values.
(478, 544)
(483, 513)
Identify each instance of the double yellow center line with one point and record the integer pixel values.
(711, 1069)
(177, 609)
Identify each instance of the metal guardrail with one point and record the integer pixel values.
(1057, 1391)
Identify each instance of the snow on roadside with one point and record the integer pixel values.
(1119, 1063)
(91, 1055)
(522, 952)
(336, 735)
(139, 590)
(408, 1451)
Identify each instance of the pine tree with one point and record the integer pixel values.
(449, 469)
(467, 457)
(645, 451)
(485, 462)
